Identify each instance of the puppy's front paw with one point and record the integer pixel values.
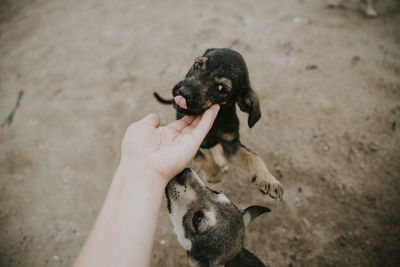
(271, 187)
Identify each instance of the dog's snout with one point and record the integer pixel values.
(181, 177)
(185, 92)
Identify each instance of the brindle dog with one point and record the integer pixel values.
(220, 76)
(208, 225)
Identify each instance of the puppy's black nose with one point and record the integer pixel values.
(185, 92)
(181, 177)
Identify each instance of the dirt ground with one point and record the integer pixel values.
(329, 86)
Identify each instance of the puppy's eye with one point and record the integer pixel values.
(197, 217)
(197, 66)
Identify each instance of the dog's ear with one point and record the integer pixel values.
(252, 212)
(245, 258)
(248, 102)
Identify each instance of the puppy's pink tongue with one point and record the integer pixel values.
(180, 101)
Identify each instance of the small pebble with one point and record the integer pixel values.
(326, 148)
(162, 242)
(56, 258)
(296, 20)
(355, 59)
(311, 67)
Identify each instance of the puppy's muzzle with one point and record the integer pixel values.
(181, 177)
(189, 99)
(186, 93)
(185, 98)
(172, 191)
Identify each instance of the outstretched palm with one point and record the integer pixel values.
(167, 149)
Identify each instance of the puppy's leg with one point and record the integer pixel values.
(369, 9)
(261, 176)
(207, 166)
(217, 153)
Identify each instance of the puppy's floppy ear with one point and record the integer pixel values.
(248, 102)
(252, 212)
(246, 258)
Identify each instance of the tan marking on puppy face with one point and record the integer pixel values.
(227, 83)
(207, 104)
(210, 217)
(202, 61)
(208, 221)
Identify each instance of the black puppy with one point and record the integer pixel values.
(220, 76)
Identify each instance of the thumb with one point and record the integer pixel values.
(151, 120)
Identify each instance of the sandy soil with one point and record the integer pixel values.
(329, 85)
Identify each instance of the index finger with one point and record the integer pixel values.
(205, 123)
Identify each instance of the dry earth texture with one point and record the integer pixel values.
(329, 86)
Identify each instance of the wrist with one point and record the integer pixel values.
(138, 171)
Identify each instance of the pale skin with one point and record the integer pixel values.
(151, 155)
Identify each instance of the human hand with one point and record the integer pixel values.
(167, 149)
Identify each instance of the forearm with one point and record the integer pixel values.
(124, 230)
